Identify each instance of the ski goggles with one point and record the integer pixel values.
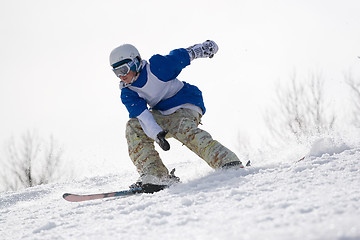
(124, 68)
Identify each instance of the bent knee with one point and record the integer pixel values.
(133, 129)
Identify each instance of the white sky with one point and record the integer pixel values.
(55, 75)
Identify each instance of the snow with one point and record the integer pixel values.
(315, 198)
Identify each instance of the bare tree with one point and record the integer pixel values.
(355, 89)
(30, 161)
(301, 111)
(51, 164)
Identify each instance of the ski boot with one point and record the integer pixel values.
(155, 185)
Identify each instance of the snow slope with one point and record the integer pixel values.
(316, 198)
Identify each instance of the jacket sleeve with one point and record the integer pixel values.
(168, 67)
(137, 108)
(133, 102)
(148, 124)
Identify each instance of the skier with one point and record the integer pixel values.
(175, 110)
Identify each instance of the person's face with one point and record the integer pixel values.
(127, 78)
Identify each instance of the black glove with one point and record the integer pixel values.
(160, 139)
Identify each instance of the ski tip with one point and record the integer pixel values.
(71, 197)
(66, 194)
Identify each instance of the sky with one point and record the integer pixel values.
(55, 75)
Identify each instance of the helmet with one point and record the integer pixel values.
(125, 51)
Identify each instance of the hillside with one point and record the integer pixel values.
(316, 198)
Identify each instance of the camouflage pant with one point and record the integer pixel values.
(183, 126)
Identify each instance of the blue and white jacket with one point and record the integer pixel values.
(157, 87)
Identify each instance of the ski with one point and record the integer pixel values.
(145, 188)
(80, 198)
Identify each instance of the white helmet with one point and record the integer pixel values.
(125, 51)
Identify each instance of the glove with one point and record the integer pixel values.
(160, 139)
(203, 50)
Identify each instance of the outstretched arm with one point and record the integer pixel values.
(203, 50)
